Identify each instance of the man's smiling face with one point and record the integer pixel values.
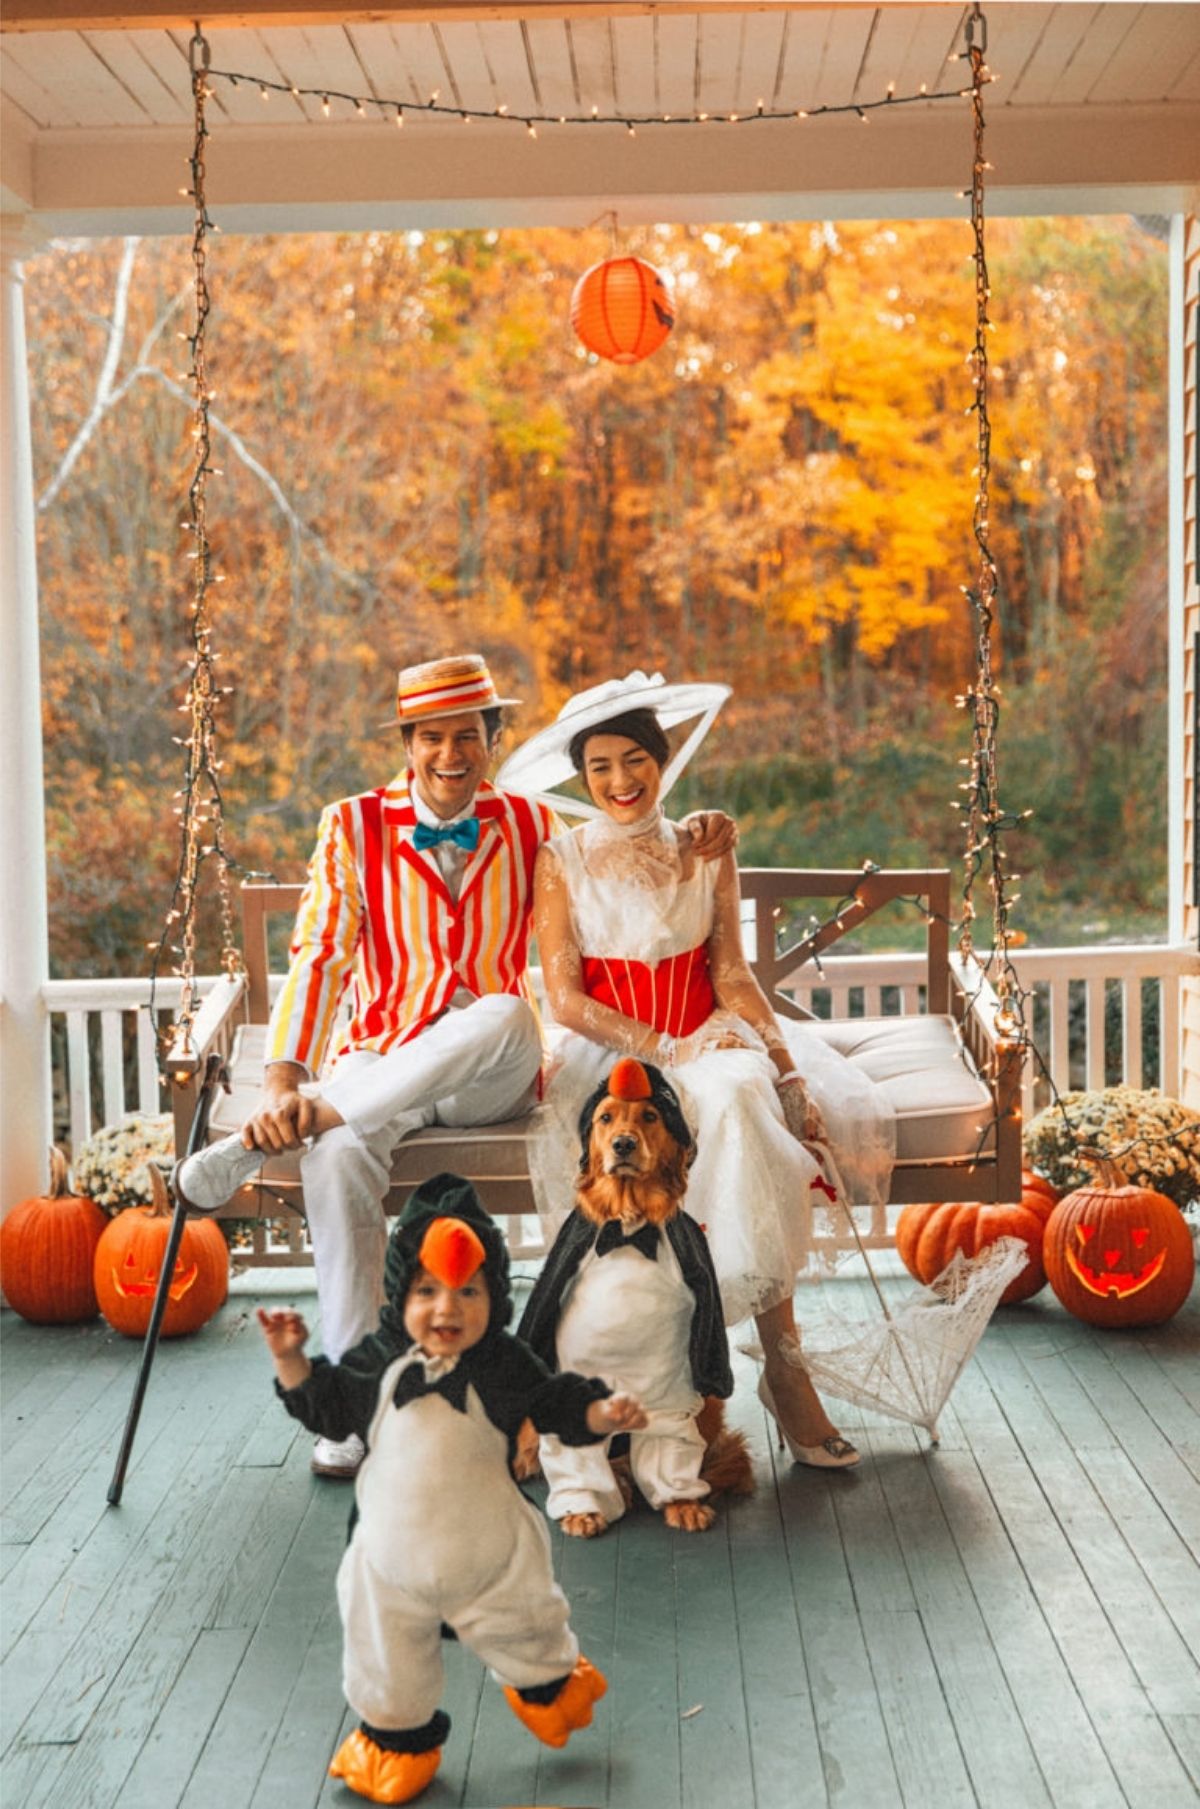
(449, 756)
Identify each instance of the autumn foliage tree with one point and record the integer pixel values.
(418, 455)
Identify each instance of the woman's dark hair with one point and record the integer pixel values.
(641, 726)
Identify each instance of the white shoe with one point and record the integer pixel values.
(213, 1175)
(339, 1458)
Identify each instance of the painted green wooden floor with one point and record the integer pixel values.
(1013, 1620)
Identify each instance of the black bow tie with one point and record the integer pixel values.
(611, 1237)
(413, 1383)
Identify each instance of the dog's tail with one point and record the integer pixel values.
(727, 1468)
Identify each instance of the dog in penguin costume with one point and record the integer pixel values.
(441, 1537)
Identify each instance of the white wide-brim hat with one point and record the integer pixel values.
(543, 762)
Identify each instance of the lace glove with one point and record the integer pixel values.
(800, 1114)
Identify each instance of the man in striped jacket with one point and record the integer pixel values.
(418, 899)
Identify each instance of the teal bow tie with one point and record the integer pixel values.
(464, 834)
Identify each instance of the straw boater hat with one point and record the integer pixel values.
(446, 687)
(543, 762)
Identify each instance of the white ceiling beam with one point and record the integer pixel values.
(351, 176)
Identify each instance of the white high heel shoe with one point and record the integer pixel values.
(833, 1453)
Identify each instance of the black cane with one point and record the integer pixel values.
(197, 1136)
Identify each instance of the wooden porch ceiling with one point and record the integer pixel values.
(1095, 107)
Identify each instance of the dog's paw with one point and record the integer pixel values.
(689, 1516)
(526, 1462)
(584, 1526)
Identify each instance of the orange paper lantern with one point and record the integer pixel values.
(623, 309)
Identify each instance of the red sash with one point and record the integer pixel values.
(675, 997)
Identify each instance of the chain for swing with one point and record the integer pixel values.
(986, 821)
(199, 804)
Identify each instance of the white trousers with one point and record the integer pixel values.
(665, 1459)
(392, 1645)
(476, 1065)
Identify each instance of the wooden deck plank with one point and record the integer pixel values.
(176, 1736)
(588, 1570)
(920, 1730)
(643, 1699)
(105, 1594)
(1170, 1568)
(990, 1728)
(856, 1756)
(1159, 1654)
(784, 1749)
(233, 1757)
(715, 1769)
(185, 1408)
(310, 1724)
(1077, 1774)
(1122, 1717)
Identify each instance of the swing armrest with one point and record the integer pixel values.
(212, 1031)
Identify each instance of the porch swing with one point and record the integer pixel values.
(952, 1071)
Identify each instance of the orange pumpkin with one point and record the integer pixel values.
(622, 309)
(1118, 1254)
(129, 1259)
(928, 1235)
(47, 1246)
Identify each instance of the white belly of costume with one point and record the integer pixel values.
(628, 1320)
(438, 1510)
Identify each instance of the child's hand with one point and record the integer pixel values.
(284, 1331)
(619, 1413)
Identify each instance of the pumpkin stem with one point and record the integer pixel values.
(1109, 1172)
(58, 1173)
(160, 1200)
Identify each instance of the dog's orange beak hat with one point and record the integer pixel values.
(451, 1251)
(629, 1080)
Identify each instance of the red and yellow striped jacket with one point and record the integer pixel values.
(377, 914)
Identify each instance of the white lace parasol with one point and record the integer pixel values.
(906, 1363)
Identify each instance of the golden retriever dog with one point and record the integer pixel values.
(652, 1326)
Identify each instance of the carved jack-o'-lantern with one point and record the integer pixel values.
(129, 1259)
(1117, 1254)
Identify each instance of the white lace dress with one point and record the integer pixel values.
(643, 924)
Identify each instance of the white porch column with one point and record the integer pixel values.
(25, 1104)
(1185, 620)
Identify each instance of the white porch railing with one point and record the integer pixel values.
(1096, 1015)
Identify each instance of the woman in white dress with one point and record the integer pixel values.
(641, 949)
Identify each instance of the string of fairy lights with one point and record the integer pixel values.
(395, 110)
(199, 807)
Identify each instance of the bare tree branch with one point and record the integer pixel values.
(104, 383)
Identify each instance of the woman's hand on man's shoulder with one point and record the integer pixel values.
(710, 833)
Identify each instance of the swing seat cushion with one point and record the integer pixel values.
(942, 1107)
(940, 1103)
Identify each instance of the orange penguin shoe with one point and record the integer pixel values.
(384, 1777)
(553, 1723)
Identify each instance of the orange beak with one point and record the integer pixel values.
(452, 1251)
(629, 1080)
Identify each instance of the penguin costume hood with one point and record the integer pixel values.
(443, 1227)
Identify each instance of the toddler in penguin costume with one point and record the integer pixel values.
(441, 1536)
